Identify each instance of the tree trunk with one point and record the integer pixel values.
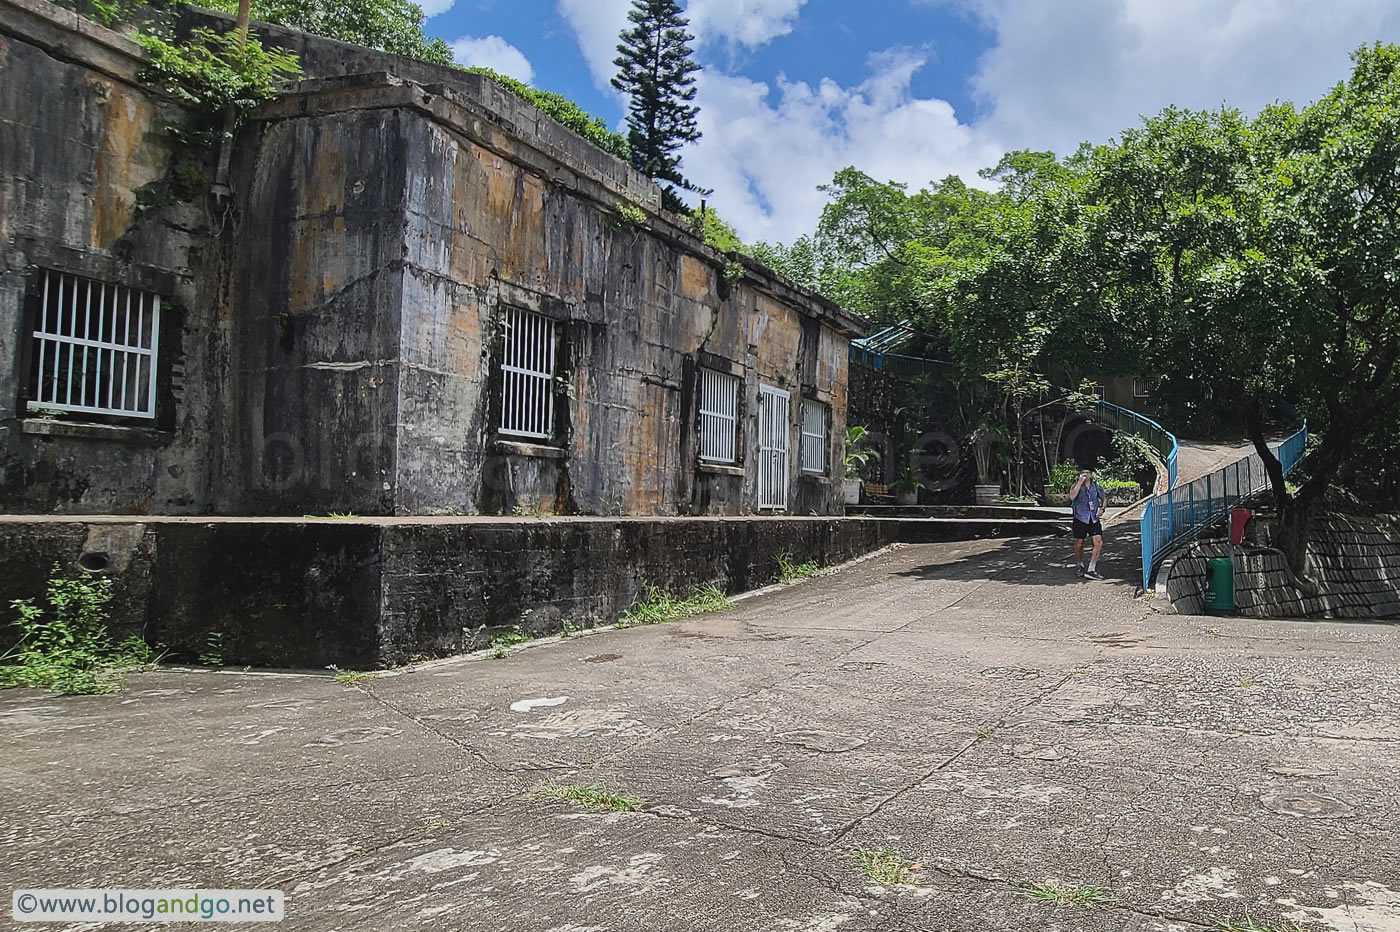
(1020, 485)
(1254, 426)
(1296, 512)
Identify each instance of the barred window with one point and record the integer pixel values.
(527, 374)
(719, 417)
(813, 437)
(94, 348)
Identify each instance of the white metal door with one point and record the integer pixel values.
(772, 447)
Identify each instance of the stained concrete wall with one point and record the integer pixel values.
(367, 592)
(1355, 562)
(489, 219)
(319, 291)
(85, 188)
(331, 343)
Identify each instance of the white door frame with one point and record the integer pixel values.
(774, 413)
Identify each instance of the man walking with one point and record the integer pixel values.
(1088, 500)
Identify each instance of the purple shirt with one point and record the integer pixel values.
(1088, 502)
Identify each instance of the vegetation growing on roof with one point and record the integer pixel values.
(565, 111)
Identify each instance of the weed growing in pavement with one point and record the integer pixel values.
(351, 677)
(1246, 684)
(885, 867)
(503, 641)
(66, 647)
(213, 653)
(790, 572)
(589, 796)
(1055, 895)
(659, 605)
(1249, 924)
(986, 731)
(570, 629)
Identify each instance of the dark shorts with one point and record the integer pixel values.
(1083, 529)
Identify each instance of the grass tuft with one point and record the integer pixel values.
(790, 572)
(351, 677)
(589, 796)
(885, 867)
(1054, 894)
(660, 606)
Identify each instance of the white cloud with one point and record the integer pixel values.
(1084, 69)
(1056, 74)
(597, 24)
(766, 158)
(744, 22)
(434, 7)
(495, 53)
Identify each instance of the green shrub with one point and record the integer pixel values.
(1063, 476)
(65, 646)
(1132, 456)
(214, 71)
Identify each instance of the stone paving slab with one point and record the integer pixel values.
(971, 708)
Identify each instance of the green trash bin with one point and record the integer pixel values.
(1220, 587)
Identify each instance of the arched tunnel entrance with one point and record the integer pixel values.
(1085, 443)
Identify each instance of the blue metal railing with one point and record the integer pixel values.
(1157, 436)
(1179, 514)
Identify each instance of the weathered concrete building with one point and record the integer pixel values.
(424, 303)
(423, 297)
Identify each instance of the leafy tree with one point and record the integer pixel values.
(656, 69)
(216, 72)
(394, 26)
(1249, 261)
(1318, 310)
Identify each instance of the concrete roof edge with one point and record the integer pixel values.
(340, 93)
(52, 28)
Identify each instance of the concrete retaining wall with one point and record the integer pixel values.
(377, 592)
(1355, 561)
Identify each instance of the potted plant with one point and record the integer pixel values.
(1062, 479)
(857, 459)
(988, 440)
(906, 488)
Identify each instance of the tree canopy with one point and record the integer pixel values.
(394, 26)
(1245, 261)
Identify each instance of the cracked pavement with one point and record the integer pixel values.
(972, 708)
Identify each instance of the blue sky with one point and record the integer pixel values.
(915, 90)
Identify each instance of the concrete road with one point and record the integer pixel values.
(972, 717)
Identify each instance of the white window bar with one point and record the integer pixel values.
(719, 417)
(527, 370)
(813, 437)
(95, 348)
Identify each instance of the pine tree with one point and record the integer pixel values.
(657, 70)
